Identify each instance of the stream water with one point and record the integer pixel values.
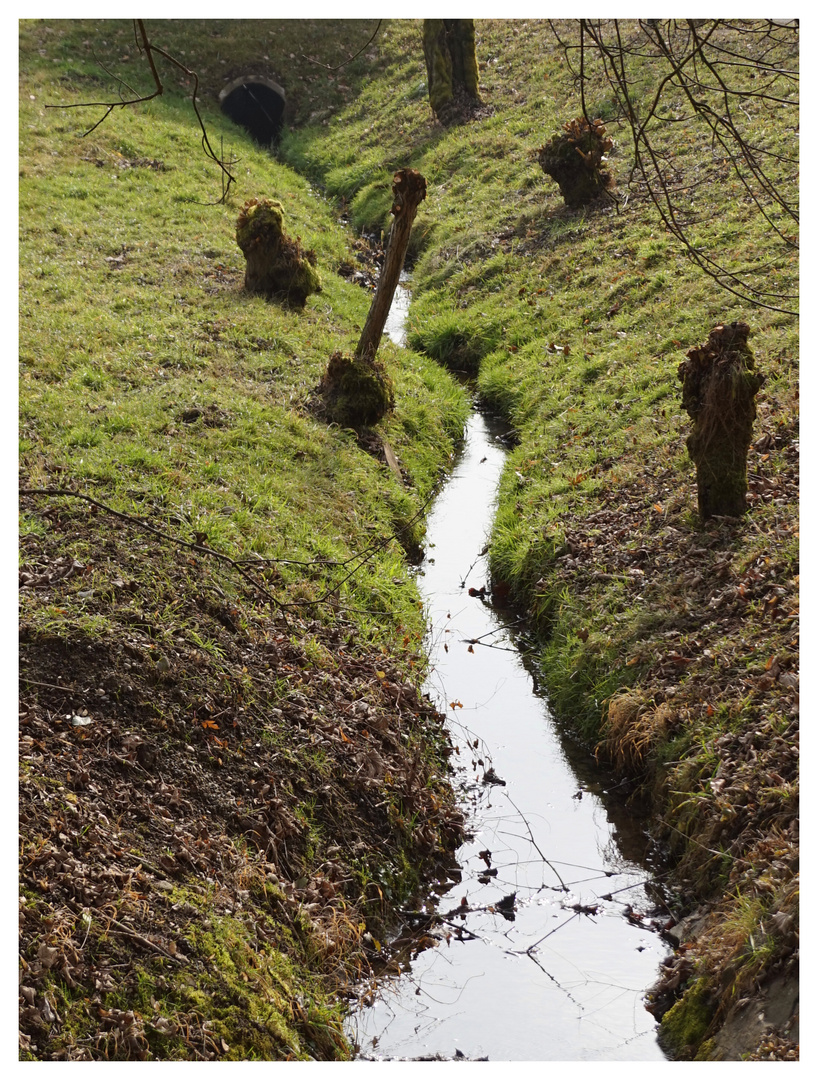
(543, 952)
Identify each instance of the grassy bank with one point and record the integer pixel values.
(671, 646)
(228, 777)
(250, 823)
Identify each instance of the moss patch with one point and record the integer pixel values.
(355, 392)
(685, 1025)
(277, 265)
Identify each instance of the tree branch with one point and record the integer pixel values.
(688, 57)
(145, 46)
(327, 67)
(357, 561)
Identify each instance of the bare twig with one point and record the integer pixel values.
(704, 847)
(360, 558)
(115, 927)
(327, 67)
(192, 546)
(48, 685)
(148, 48)
(507, 626)
(697, 61)
(535, 845)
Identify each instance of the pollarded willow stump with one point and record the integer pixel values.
(408, 192)
(277, 265)
(576, 159)
(356, 391)
(719, 385)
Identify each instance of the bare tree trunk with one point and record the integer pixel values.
(451, 65)
(409, 190)
(719, 385)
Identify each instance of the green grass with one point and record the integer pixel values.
(107, 387)
(573, 324)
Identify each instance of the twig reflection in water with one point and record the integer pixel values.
(529, 962)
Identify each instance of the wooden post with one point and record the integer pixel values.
(409, 190)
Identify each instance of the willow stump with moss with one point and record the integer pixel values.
(277, 265)
(356, 390)
(576, 159)
(451, 66)
(355, 393)
(719, 385)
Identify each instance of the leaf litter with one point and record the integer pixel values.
(717, 652)
(179, 768)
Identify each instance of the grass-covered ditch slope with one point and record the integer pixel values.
(669, 643)
(228, 777)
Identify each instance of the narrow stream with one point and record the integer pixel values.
(549, 957)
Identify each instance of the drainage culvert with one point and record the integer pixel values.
(257, 104)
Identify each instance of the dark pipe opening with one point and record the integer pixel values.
(257, 104)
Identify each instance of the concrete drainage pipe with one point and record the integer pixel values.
(257, 104)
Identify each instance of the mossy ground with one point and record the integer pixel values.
(686, 1023)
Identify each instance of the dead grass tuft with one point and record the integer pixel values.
(631, 728)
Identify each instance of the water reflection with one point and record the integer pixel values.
(543, 945)
(538, 944)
